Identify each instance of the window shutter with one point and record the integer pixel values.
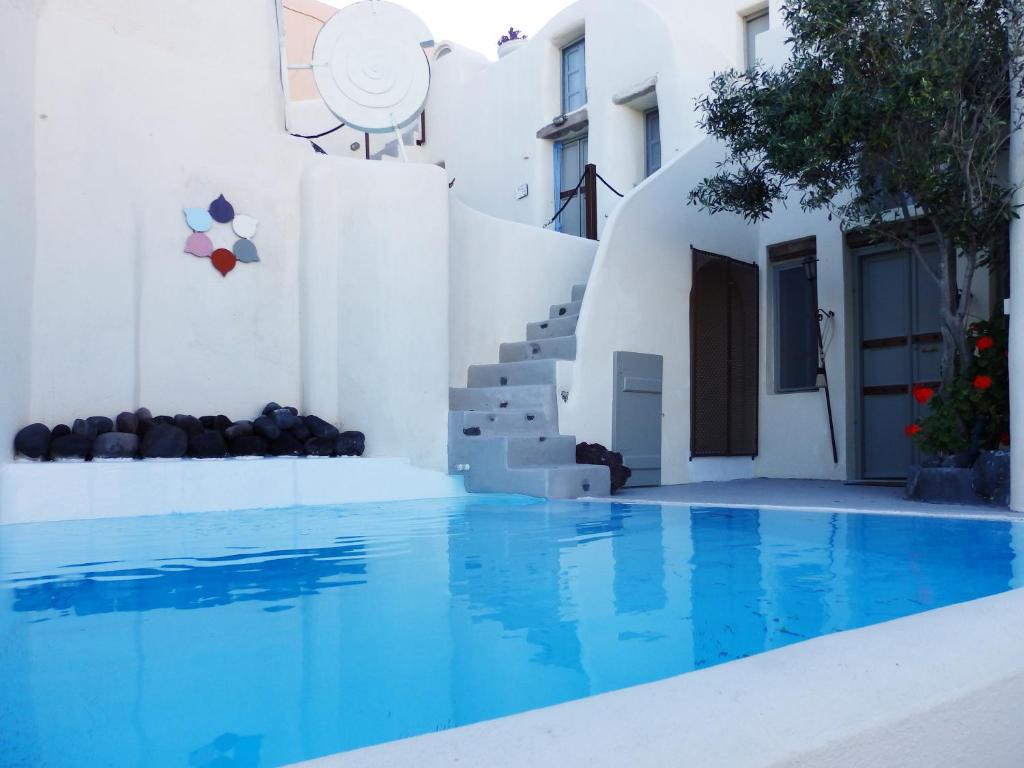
(574, 77)
(724, 349)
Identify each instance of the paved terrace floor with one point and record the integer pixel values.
(824, 495)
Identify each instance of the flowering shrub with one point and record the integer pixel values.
(512, 34)
(972, 413)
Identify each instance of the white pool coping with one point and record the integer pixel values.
(944, 688)
(43, 492)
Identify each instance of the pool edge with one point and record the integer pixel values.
(940, 688)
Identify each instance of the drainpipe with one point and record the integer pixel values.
(1017, 315)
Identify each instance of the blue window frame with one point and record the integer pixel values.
(652, 142)
(574, 76)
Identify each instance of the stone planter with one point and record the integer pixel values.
(987, 481)
(510, 47)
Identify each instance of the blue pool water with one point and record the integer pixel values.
(263, 638)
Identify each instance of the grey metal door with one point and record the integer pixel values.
(574, 161)
(636, 421)
(900, 347)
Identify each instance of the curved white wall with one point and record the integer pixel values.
(503, 276)
(638, 301)
(486, 116)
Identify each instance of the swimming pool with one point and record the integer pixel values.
(268, 637)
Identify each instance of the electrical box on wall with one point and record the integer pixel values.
(523, 190)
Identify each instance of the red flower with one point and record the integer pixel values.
(912, 429)
(985, 342)
(982, 382)
(923, 394)
(1005, 438)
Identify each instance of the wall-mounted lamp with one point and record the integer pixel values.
(811, 268)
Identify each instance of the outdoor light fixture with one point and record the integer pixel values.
(810, 265)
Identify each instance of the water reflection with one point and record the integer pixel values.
(189, 583)
(451, 612)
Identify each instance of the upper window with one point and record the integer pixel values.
(652, 141)
(574, 76)
(795, 298)
(754, 25)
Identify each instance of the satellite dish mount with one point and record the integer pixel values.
(370, 67)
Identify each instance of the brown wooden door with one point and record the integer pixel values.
(724, 349)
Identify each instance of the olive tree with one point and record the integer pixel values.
(893, 116)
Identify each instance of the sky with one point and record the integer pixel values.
(478, 24)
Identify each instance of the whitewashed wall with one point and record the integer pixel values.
(136, 111)
(17, 211)
(375, 303)
(503, 276)
(150, 108)
(638, 300)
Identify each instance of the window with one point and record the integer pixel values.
(795, 310)
(754, 25)
(574, 76)
(652, 142)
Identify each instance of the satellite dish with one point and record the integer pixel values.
(370, 67)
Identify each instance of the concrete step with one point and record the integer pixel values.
(500, 398)
(540, 451)
(561, 310)
(559, 481)
(558, 348)
(506, 423)
(578, 292)
(547, 329)
(513, 374)
(495, 455)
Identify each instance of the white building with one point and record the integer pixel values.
(379, 285)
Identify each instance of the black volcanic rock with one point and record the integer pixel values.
(61, 430)
(237, 430)
(287, 445)
(190, 424)
(100, 424)
(284, 418)
(83, 428)
(266, 428)
(115, 445)
(320, 446)
(71, 448)
(208, 444)
(127, 423)
(164, 441)
(249, 445)
(320, 428)
(350, 444)
(33, 442)
(594, 453)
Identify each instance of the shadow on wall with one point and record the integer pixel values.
(638, 301)
(505, 275)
